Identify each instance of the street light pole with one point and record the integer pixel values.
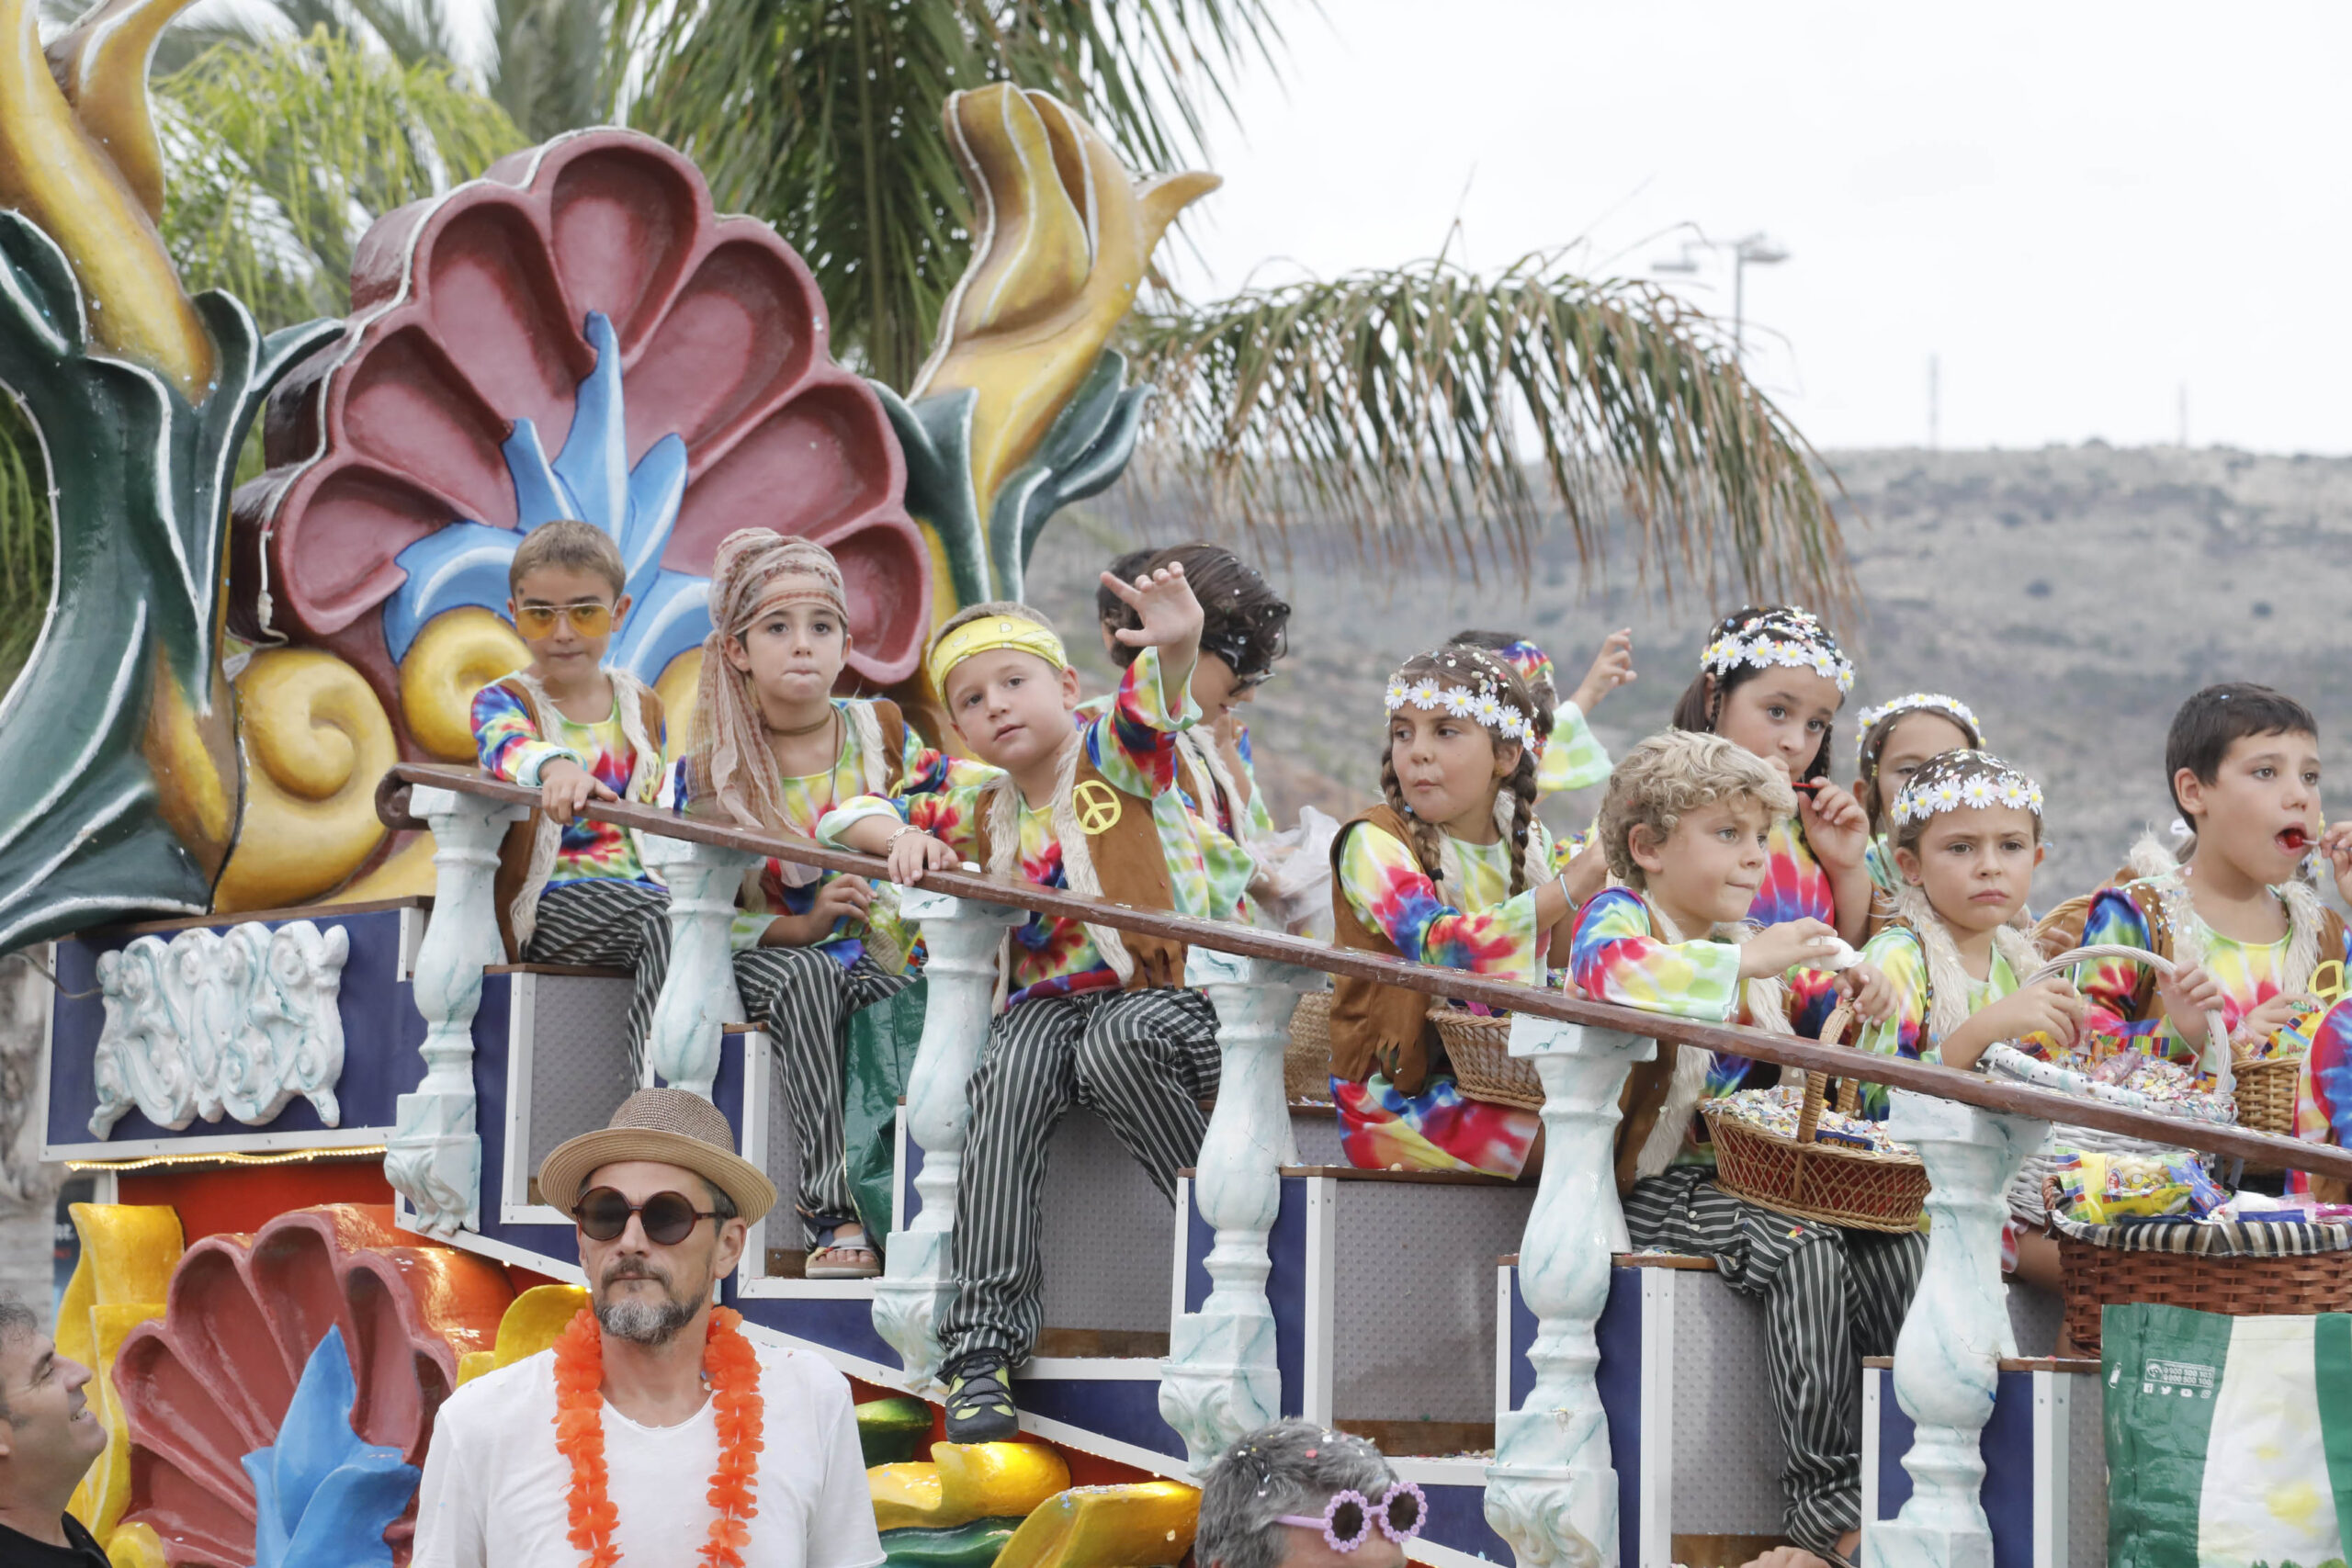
(1754, 250)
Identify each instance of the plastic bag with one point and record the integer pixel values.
(1293, 889)
(2096, 1188)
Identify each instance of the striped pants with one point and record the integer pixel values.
(803, 998)
(616, 925)
(1831, 1296)
(1142, 1061)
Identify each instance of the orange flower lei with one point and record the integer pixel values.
(734, 1372)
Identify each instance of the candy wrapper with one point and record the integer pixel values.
(2096, 1188)
(1778, 1111)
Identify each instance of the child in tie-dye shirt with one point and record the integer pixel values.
(1771, 680)
(1454, 869)
(1571, 757)
(1897, 736)
(1686, 825)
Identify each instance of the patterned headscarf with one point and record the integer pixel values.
(755, 571)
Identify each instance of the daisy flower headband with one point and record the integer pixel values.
(1920, 702)
(1965, 780)
(1477, 697)
(1792, 638)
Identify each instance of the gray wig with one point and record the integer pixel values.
(1291, 1467)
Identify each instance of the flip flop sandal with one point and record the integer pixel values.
(831, 1261)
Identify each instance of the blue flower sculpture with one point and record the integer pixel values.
(322, 1497)
(591, 481)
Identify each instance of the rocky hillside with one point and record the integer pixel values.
(2071, 595)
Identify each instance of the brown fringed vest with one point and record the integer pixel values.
(522, 841)
(1376, 1028)
(1130, 867)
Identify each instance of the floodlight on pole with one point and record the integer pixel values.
(1754, 250)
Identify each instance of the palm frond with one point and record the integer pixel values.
(822, 117)
(280, 154)
(1431, 402)
(547, 70)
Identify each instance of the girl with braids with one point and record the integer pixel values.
(775, 750)
(1770, 681)
(1898, 737)
(1453, 868)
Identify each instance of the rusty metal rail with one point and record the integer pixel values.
(1925, 1077)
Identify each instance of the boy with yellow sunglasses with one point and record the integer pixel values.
(572, 891)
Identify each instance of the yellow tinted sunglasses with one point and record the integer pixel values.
(588, 618)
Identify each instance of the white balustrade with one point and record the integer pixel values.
(699, 994)
(919, 1276)
(434, 1159)
(1551, 1491)
(1947, 1360)
(1220, 1378)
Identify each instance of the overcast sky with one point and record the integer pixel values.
(2079, 208)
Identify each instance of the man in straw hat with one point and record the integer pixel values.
(654, 1432)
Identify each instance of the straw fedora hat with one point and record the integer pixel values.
(669, 1126)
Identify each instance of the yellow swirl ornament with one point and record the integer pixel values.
(316, 742)
(457, 654)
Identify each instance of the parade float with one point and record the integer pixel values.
(243, 820)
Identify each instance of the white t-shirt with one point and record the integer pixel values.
(495, 1492)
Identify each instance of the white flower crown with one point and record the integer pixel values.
(1920, 702)
(1990, 782)
(1483, 705)
(1794, 639)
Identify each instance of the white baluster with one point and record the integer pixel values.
(1551, 1491)
(919, 1276)
(1220, 1378)
(434, 1157)
(698, 996)
(1947, 1358)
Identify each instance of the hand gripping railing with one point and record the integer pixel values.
(1551, 1491)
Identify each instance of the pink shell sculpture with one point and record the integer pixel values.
(496, 304)
(210, 1381)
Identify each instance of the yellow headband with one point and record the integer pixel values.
(988, 634)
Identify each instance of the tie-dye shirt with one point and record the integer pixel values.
(1209, 869)
(1617, 955)
(1480, 929)
(778, 888)
(1574, 757)
(512, 747)
(1896, 952)
(1795, 887)
(1133, 745)
(2249, 972)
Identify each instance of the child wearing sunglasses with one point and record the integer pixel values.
(569, 890)
(1215, 818)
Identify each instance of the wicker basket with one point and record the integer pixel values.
(1480, 1046)
(1306, 1060)
(2232, 1284)
(2265, 1094)
(1860, 1188)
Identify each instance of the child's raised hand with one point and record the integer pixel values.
(1163, 601)
(2336, 843)
(1775, 950)
(1870, 990)
(912, 854)
(2188, 997)
(565, 786)
(1612, 667)
(1835, 824)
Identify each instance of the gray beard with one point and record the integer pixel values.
(643, 1322)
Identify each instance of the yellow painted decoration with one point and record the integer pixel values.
(407, 872)
(676, 690)
(194, 758)
(457, 653)
(1141, 1526)
(55, 170)
(966, 1481)
(102, 65)
(128, 1251)
(473, 1363)
(532, 1324)
(316, 742)
(1064, 238)
(136, 1546)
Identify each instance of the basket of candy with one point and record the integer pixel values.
(1478, 1044)
(1306, 1060)
(2152, 1228)
(1786, 1149)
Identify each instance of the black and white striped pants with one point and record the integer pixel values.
(1831, 1296)
(616, 925)
(803, 998)
(1142, 1061)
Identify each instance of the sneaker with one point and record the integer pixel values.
(979, 1400)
